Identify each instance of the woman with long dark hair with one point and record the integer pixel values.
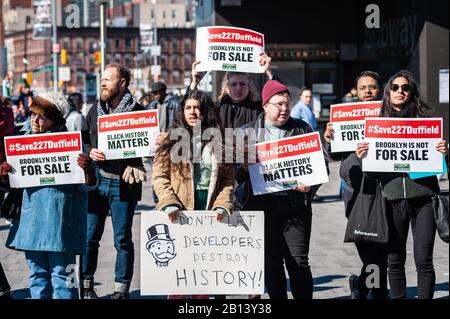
(409, 200)
(193, 176)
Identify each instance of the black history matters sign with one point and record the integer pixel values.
(44, 159)
(199, 255)
(128, 135)
(403, 145)
(283, 164)
(229, 49)
(348, 123)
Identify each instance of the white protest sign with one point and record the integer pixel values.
(127, 135)
(229, 49)
(44, 159)
(403, 145)
(283, 164)
(199, 255)
(348, 123)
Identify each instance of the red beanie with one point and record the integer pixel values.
(272, 88)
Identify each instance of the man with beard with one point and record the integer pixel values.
(368, 89)
(118, 192)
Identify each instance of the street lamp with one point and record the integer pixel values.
(102, 4)
(54, 51)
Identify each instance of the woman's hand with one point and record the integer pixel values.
(266, 62)
(196, 76)
(302, 188)
(97, 155)
(5, 168)
(84, 162)
(174, 216)
(441, 147)
(329, 133)
(220, 216)
(361, 150)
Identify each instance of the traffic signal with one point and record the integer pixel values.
(98, 57)
(29, 77)
(63, 56)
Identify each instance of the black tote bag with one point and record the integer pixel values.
(440, 209)
(367, 221)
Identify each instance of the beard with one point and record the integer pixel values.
(109, 94)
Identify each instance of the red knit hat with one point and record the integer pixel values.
(272, 88)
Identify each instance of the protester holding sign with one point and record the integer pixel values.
(188, 185)
(52, 226)
(119, 190)
(237, 104)
(368, 90)
(409, 200)
(288, 214)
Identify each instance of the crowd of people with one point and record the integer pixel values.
(57, 223)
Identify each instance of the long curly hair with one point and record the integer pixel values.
(209, 119)
(415, 106)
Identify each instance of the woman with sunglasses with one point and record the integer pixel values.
(409, 200)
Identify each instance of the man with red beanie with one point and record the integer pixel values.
(288, 213)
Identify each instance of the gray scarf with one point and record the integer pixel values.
(126, 104)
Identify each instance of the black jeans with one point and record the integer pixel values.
(373, 254)
(420, 213)
(4, 285)
(287, 237)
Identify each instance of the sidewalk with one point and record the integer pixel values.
(332, 261)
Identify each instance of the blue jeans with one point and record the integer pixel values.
(104, 199)
(49, 273)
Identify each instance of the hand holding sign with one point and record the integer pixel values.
(442, 147)
(302, 188)
(174, 216)
(266, 61)
(84, 162)
(5, 168)
(196, 76)
(329, 133)
(362, 149)
(97, 155)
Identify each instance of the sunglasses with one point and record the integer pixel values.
(405, 87)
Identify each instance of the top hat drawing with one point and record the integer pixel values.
(158, 232)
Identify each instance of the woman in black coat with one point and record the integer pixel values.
(409, 200)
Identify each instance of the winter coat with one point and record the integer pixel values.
(244, 189)
(172, 189)
(53, 219)
(128, 192)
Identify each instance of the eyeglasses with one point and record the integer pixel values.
(40, 118)
(405, 87)
(279, 105)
